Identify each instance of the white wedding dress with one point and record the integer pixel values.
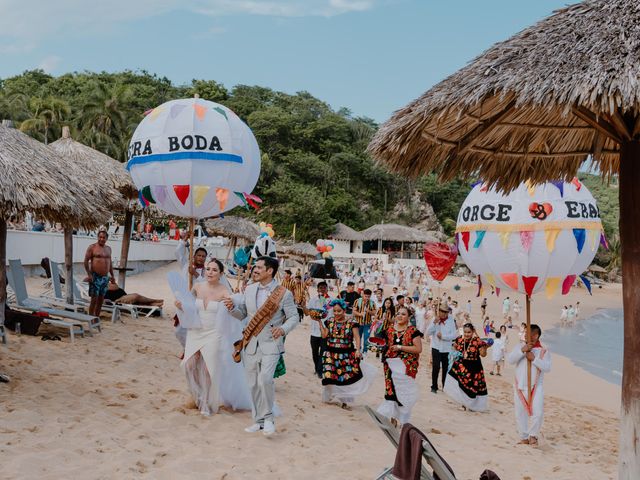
(213, 377)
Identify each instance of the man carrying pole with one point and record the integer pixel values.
(529, 407)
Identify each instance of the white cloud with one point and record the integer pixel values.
(32, 21)
(50, 63)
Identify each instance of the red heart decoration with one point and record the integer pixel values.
(540, 210)
(440, 258)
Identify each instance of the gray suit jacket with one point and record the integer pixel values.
(286, 317)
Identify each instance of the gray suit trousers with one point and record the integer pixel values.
(259, 369)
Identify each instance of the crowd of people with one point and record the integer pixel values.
(353, 325)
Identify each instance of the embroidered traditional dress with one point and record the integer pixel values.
(400, 370)
(342, 372)
(468, 387)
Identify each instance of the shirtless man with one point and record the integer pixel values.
(97, 263)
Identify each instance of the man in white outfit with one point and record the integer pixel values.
(529, 412)
(262, 352)
(442, 331)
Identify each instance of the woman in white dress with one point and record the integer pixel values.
(213, 377)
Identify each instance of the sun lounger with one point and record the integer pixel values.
(58, 309)
(439, 468)
(74, 328)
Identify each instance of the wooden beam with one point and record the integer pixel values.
(484, 128)
(629, 193)
(68, 262)
(441, 141)
(598, 145)
(3, 268)
(598, 123)
(619, 124)
(636, 128)
(124, 250)
(529, 154)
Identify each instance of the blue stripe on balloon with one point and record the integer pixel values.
(167, 157)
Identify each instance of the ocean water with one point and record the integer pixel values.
(594, 344)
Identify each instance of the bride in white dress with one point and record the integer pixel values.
(213, 377)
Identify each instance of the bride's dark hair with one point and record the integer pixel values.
(218, 262)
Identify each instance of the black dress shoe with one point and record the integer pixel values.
(434, 390)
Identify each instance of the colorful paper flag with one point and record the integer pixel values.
(577, 184)
(497, 291)
(581, 236)
(511, 279)
(550, 237)
(529, 284)
(526, 239)
(182, 192)
(560, 185)
(603, 241)
(479, 237)
(552, 286)
(201, 111)
(199, 192)
(146, 193)
(465, 239)
(240, 195)
(587, 283)
(159, 192)
(531, 189)
(568, 283)
(222, 194)
(143, 201)
(491, 279)
(593, 238)
(504, 239)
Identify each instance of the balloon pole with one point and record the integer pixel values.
(191, 228)
(528, 303)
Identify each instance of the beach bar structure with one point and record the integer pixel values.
(534, 108)
(346, 240)
(403, 241)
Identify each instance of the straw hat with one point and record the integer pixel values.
(444, 306)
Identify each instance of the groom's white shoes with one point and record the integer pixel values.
(269, 428)
(256, 427)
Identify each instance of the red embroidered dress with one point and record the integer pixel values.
(339, 363)
(410, 359)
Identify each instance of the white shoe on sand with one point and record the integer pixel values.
(256, 427)
(269, 428)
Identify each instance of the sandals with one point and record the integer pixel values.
(51, 337)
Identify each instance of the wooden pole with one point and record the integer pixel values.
(629, 194)
(3, 268)
(68, 263)
(124, 252)
(528, 305)
(191, 228)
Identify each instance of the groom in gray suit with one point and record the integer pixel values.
(263, 351)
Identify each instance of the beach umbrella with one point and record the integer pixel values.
(194, 158)
(112, 186)
(537, 238)
(535, 107)
(36, 179)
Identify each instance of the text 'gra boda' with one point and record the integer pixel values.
(502, 212)
(187, 142)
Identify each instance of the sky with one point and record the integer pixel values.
(369, 56)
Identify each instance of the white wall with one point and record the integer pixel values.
(31, 247)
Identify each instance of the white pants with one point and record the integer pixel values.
(529, 426)
(259, 370)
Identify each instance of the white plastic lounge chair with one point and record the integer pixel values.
(81, 291)
(74, 327)
(58, 309)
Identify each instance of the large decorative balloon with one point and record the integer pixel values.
(194, 158)
(537, 238)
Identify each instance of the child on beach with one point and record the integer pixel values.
(497, 354)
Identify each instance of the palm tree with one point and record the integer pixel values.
(615, 258)
(45, 118)
(107, 120)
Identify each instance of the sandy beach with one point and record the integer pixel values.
(116, 406)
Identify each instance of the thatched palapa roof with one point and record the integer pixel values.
(344, 232)
(233, 227)
(36, 179)
(105, 171)
(531, 107)
(393, 232)
(301, 249)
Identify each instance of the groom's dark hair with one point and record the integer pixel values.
(270, 263)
